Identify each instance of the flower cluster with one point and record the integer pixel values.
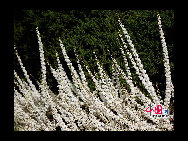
(111, 107)
(169, 86)
(140, 71)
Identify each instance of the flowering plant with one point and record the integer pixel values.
(109, 107)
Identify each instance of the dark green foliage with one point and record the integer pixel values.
(94, 30)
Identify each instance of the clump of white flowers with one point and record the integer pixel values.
(76, 108)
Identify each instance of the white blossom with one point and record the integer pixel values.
(111, 107)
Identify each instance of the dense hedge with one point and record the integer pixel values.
(93, 30)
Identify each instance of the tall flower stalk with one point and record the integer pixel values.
(169, 86)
